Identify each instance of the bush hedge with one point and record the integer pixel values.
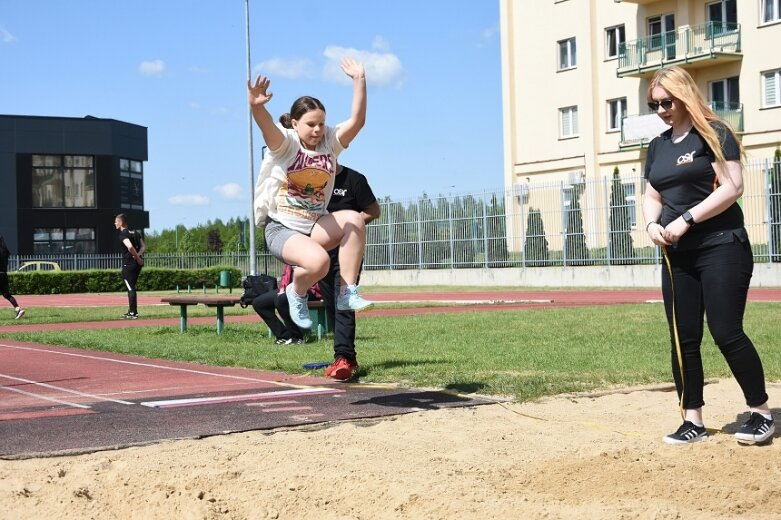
(110, 280)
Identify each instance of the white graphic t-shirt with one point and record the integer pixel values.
(295, 184)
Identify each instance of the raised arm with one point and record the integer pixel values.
(349, 129)
(258, 95)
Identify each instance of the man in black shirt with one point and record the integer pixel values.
(132, 261)
(351, 191)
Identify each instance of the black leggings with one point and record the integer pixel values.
(6, 290)
(712, 282)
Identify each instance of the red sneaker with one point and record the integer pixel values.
(341, 369)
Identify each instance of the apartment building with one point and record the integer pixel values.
(576, 72)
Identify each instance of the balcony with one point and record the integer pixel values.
(690, 46)
(638, 130)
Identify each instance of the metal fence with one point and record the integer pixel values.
(572, 223)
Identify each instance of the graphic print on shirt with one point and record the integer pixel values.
(307, 178)
(686, 158)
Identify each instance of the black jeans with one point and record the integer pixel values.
(712, 282)
(130, 274)
(267, 305)
(341, 322)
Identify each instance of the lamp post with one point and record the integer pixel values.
(252, 258)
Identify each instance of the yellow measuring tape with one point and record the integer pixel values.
(677, 339)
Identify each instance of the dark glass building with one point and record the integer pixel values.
(65, 178)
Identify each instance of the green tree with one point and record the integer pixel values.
(620, 245)
(536, 246)
(575, 250)
(214, 241)
(496, 233)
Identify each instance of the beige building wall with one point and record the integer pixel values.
(534, 89)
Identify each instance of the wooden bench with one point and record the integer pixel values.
(316, 311)
(210, 301)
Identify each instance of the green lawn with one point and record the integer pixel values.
(522, 354)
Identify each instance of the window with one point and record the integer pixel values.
(616, 112)
(568, 56)
(771, 88)
(63, 181)
(131, 184)
(771, 11)
(64, 240)
(569, 121)
(614, 38)
(661, 33)
(723, 16)
(725, 94)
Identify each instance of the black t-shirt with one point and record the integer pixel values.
(351, 191)
(134, 239)
(683, 175)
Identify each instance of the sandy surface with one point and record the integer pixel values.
(594, 456)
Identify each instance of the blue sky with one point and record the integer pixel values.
(179, 68)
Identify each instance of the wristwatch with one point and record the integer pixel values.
(687, 217)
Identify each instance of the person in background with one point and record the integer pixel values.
(271, 303)
(351, 192)
(4, 285)
(294, 187)
(694, 176)
(132, 262)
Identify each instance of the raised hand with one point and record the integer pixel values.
(353, 68)
(258, 93)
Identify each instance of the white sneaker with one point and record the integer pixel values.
(19, 313)
(299, 310)
(350, 300)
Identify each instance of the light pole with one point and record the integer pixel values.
(252, 258)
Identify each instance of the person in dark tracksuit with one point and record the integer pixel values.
(132, 262)
(694, 175)
(351, 192)
(4, 286)
(273, 305)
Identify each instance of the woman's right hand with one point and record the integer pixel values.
(258, 93)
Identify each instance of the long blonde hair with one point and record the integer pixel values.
(680, 85)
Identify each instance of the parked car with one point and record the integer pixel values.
(28, 267)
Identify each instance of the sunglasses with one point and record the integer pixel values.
(666, 104)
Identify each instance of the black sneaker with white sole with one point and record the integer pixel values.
(686, 434)
(130, 316)
(756, 429)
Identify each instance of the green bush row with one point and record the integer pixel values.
(110, 280)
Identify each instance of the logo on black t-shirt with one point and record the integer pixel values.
(685, 158)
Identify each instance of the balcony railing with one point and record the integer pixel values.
(686, 44)
(638, 130)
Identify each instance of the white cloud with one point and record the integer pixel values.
(382, 68)
(188, 200)
(230, 191)
(290, 69)
(380, 44)
(152, 68)
(6, 36)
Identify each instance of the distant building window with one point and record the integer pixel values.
(569, 121)
(614, 38)
(64, 240)
(771, 11)
(63, 181)
(568, 56)
(131, 184)
(631, 203)
(771, 88)
(616, 109)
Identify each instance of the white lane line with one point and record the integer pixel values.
(62, 389)
(52, 399)
(153, 365)
(195, 401)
